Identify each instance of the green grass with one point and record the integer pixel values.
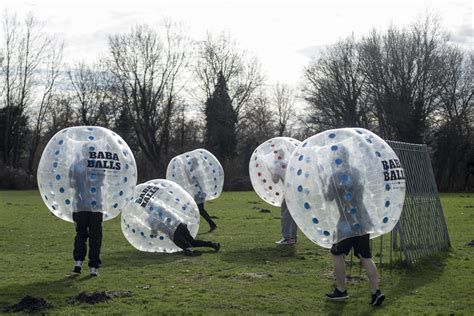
(250, 275)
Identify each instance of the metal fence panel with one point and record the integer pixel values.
(422, 226)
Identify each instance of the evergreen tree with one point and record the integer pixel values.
(221, 119)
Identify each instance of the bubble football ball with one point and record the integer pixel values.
(86, 168)
(199, 173)
(158, 208)
(343, 183)
(267, 168)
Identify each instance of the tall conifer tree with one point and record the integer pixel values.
(221, 119)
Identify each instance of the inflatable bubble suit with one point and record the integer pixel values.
(267, 168)
(158, 208)
(199, 173)
(343, 183)
(86, 168)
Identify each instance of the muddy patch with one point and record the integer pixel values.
(97, 297)
(28, 304)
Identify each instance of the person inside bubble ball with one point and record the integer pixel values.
(87, 214)
(196, 178)
(287, 224)
(353, 226)
(161, 219)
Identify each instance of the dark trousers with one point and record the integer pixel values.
(206, 216)
(88, 225)
(183, 239)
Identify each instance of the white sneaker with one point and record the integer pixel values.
(286, 241)
(94, 271)
(77, 267)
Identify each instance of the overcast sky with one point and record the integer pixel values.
(283, 34)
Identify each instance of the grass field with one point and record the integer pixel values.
(250, 275)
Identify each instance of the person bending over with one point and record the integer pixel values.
(170, 224)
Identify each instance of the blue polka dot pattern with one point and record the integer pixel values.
(385, 220)
(348, 196)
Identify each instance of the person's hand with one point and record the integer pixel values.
(275, 178)
(202, 195)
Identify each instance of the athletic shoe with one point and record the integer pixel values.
(377, 298)
(77, 267)
(286, 241)
(213, 228)
(337, 295)
(191, 252)
(216, 246)
(94, 271)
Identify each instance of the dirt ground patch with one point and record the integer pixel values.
(28, 304)
(97, 297)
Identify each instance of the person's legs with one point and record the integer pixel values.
(207, 217)
(371, 269)
(288, 225)
(95, 238)
(179, 237)
(362, 250)
(339, 271)
(196, 242)
(338, 252)
(80, 247)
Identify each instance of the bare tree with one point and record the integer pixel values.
(50, 74)
(405, 71)
(147, 67)
(284, 100)
(30, 69)
(334, 87)
(92, 94)
(221, 55)
(454, 139)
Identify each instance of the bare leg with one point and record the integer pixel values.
(371, 269)
(340, 271)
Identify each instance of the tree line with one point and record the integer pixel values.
(165, 93)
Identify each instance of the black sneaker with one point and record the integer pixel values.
(191, 253)
(213, 228)
(216, 246)
(377, 298)
(337, 295)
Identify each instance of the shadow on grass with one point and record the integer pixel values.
(125, 259)
(261, 255)
(411, 278)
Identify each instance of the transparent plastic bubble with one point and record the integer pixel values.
(267, 168)
(159, 206)
(86, 168)
(199, 173)
(343, 183)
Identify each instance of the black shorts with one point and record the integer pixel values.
(360, 243)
